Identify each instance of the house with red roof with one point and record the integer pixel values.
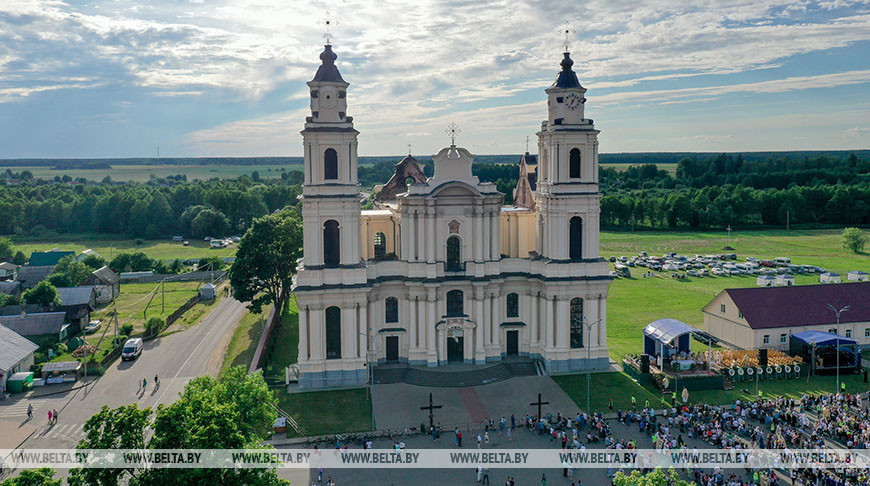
(765, 317)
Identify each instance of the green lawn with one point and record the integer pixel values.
(328, 412)
(133, 304)
(141, 173)
(605, 386)
(243, 343)
(633, 303)
(109, 246)
(284, 346)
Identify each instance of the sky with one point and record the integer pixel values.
(120, 78)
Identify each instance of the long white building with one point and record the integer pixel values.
(442, 271)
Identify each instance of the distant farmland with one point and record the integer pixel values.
(141, 173)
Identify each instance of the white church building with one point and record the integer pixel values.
(441, 271)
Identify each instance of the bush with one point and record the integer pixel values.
(61, 348)
(138, 242)
(127, 329)
(36, 369)
(154, 326)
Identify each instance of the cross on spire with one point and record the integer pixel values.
(568, 31)
(328, 23)
(527, 144)
(409, 149)
(452, 130)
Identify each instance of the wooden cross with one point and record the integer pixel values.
(538, 404)
(452, 130)
(328, 22)
(431, 408)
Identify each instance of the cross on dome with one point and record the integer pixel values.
(453, 130)
(327, 22)
(568, 31)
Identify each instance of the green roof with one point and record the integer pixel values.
(44, 258)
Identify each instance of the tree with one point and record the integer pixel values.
(7, 251)
(211, 263)
(20, 258)
(266, 259)
(33, 477)
(69, 273)
(131, 262)
(118, 428)
(659, 477)
(43, 294)
(94, 261)
(209, 222)
(854, 240)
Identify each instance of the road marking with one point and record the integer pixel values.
(20, 408)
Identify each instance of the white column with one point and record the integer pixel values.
(534, 303)
(479, 350)
(316, 332)
(405, 235)
(412, 323)
(421, 235)
(363, 335)
(431, 240)
(495, 302)
(348, 328)
(487, 320)
(602, 326)
(546, 322)
(563, 331)
(477, 234)
(494, 237)
(303, 334)
(432, 356)
(590, 311)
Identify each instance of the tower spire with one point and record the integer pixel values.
(328, 23)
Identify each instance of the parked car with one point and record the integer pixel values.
(752, 259)
(207, 238)
(694, 273)
(93, 326)
(132, 349)
(612, 259)
(718, 272)
(186, 243)
(768, 263)
(781, 261)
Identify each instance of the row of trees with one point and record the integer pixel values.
(203, 208)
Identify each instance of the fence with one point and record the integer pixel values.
(181, 310)
(260, 352)
(181, 277)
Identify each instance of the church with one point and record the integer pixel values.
(441, 271)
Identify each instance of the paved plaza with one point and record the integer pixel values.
(397, 406)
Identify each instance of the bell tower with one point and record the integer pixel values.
(567, 195)
(330, 193)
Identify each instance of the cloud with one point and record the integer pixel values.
(856, 132)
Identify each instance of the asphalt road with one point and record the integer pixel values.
(176, 359)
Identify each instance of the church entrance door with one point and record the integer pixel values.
(513, 343)
(392, 349)
(454, 346)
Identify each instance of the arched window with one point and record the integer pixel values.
(513, 305)
(380, 244)
(391, 309)
(331, 244)
(577, 323)
(455, 305)
(333, 333)
(574, 163)
(453, 254)
(330, 164)
(575, 238)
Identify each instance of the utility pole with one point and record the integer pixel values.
(837, 312)
(588, 344)
(787, 219)
(729, 235)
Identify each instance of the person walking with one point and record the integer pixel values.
(49, 417)
(633, 402)
(610, 403)
(144, 384)
(544, 479)
(29, 411)
(486, 439)
(485, 479)
(459, 438)
(55, 415)
(479, 474)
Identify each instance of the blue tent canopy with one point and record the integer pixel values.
(819, 338)
(666, 337)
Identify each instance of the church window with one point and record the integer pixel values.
(453, 254)
(455, 305)
(380, 244)
(333, 333)
(391, 309)
(577, 323)
(513, 305)
(575, 236)
(331, 244)
(330, 164)
(574, 163)
(560, 99)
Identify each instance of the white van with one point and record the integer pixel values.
(132, 349)
(781, 261)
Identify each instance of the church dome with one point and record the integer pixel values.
(566, 77)
(328, 72)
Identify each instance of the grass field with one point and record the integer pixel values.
(633, 303)
(245, 337)
(328, 412)
(141, 173)
(133, 304)
(108, 247)
(284, 348)
(671, 168)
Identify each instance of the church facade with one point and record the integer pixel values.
(441, 271)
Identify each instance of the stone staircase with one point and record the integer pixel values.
(445, 377)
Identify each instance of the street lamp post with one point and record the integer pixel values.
(837, 312)
(370, 377)
(588, 344)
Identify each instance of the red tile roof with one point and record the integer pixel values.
(802, 305)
